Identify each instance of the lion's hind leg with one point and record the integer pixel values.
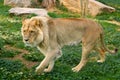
(102, 54)
(85, 52)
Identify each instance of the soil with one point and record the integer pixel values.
(27, 63)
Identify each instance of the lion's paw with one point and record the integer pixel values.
(76, 69)
(39, 70)
(47, 70)
(100, 61)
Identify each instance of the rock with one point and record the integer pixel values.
(94, 7)
(21, 11)
(21, 3)
(18, 3)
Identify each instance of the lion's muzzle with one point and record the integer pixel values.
(26, 40)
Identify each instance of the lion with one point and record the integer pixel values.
(49, 35)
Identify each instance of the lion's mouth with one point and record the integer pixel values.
(27, 43)
(31, 44)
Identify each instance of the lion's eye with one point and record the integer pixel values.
(31, 31)
(24, 30)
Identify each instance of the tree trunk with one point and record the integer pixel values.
(48, 4)
(84, 7)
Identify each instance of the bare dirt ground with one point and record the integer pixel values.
(27, 63)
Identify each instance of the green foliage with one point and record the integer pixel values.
(63, 15)
(8, 53)
(2, 42)
(113, 3)
(10, 34)
(40, 0)
(107, 16)
(33, 56)
(10, 70)
(112, 35)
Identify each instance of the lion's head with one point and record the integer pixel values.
(31, 31)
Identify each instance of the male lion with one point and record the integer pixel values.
(50, 35)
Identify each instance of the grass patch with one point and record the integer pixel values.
(63, 15)
(33, 56)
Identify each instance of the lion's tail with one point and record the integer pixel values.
(106, 49)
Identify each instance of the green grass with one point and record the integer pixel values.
(10, 34)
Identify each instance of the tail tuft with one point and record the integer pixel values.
(116, 50)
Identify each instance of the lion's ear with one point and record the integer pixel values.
(24, 20)
(50, 22)
(37, 22)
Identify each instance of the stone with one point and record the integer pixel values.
(18, 3)
(22, 11)
(94, 7)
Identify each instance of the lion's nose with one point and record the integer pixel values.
(26, 40)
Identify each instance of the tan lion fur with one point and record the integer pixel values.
(49, 35)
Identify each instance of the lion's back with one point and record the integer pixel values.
(71, 30)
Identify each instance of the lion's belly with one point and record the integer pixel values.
(71, 39)
(72, 42)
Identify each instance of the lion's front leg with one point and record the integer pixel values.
(50, 66)
(48, 60)
(42, 65)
